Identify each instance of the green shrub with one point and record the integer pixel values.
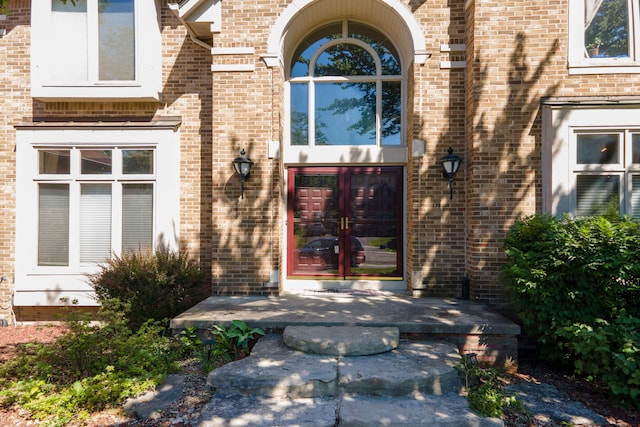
(575, 283)
(157, 285)
(565, 271)
(609, 351)
(94, 366)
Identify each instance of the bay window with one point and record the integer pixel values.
(591, 157)
(85, 192)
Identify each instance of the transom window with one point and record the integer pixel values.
(345, 89)
(103, 198)
(607, 172)
(604, 34)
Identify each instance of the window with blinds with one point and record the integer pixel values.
(607, 172)
(93, 203)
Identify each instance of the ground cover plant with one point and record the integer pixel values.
(575, 284)
(97, 364)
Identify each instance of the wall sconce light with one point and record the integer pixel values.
(450, 164)
(242, 164)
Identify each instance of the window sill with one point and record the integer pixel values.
(118, 92)
(603, 68)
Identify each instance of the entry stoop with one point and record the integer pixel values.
(414, 384)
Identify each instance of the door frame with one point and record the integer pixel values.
(302, 285)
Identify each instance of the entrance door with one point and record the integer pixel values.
(345, 222)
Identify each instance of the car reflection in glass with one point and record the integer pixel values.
(322, 253)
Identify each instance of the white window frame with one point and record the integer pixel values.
(148, 60)
(48, 285)
(561, 125)
(346, 154)
(577, 62)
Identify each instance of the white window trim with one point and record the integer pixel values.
(148, 51)
(578, 64)
(346, 154)
(45, 286)
(561, 121)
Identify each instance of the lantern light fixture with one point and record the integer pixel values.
(242, 164)
(450, 165)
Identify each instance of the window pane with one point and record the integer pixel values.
(606, 24)
(391, 113)
(597, 194)
(345, 60)
(137, 217)
(53, 224)
(116, 39)
(137, 162)
(300, 114)
(310, 45)
(54, 162)
(95, 162)
(95, 222)
(68, 41)
(635, 196)
(598, 149)
(635, 148)
(345, 113)
(380, 43)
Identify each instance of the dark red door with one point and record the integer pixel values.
(345, 222)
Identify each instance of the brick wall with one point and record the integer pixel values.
(488, 112)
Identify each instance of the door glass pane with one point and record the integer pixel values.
(95, 162)
(56, 162)
(53, 224)
(95, 222)
(391, 113)
(315, 227)
(345, 113)
(300, 114)
(598, 149)
(606, 26)
(137, 162)
(137, 217)
(597, 194)
(116, 39)
(68, 41)
(375, 206)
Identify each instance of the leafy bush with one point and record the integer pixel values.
(94, 366)
(609, 351)
(157, 285)
(575, 283)
(566, 271)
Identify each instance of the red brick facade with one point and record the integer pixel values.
(491, 62)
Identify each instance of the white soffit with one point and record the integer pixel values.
(203, 17)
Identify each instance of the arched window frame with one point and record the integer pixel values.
(375, 153)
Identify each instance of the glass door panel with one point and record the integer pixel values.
(345, 222)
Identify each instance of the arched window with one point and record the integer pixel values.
(346, 88)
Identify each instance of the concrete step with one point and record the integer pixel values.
(450, 410)
(274, 370)
(341, 340)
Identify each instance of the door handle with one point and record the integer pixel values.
(344, 223)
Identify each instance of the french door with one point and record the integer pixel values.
(345, 222)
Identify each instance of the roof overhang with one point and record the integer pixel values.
(201, 17)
